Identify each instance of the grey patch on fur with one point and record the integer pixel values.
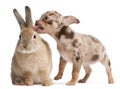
(94, 39)
(74, 43)
(109, 63)
(63, 31)
(56, 12)
(51, 14)
(95, 57)
(77, 58)
(104, 56)
(50, 22)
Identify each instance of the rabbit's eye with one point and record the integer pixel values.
(19, 36)
(34, 36)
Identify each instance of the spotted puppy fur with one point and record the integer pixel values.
(79, 49)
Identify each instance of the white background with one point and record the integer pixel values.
(100, 18)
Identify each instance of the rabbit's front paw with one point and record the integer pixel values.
(18, 81)
(29, 82)
(47, 83)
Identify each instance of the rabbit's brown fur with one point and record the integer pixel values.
(79, 49)
(32, 62)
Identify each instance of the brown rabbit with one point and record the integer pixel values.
(32, 62)
(79, 49)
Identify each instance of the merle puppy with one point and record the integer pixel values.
(79, 49)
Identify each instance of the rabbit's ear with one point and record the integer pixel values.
(28, 16)
(19, 19)
(67, 20)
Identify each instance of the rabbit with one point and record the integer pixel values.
(79, 49)
(32, 60)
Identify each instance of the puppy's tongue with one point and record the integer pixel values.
(35, 28)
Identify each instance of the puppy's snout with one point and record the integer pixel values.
(39, 25)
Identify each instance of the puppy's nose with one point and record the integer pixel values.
(36, 23)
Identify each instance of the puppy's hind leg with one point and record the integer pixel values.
(106, 63)
(75, 72)
(88, 72)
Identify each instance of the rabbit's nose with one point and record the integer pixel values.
(25, 46)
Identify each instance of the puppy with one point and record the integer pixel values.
(79, 49)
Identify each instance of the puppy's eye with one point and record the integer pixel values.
(34, 36)
(46, 18)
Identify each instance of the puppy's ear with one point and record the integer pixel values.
(67, 20)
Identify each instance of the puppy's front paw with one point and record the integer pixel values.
(57, 77)
(81, 81)
(111, 81)
(70, 83)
